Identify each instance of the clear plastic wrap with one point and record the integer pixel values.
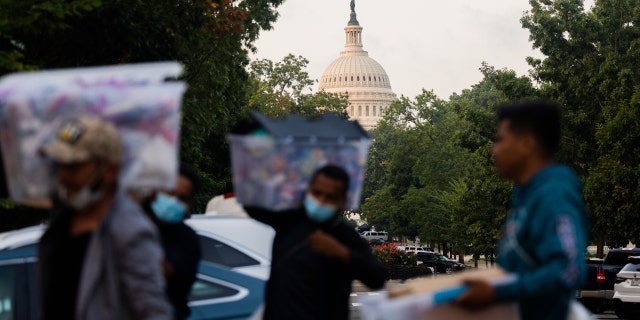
(135, 98)
(274, 174)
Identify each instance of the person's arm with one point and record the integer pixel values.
(559, 251)
(561, 241)
(353, 252)
(364, 265)
(276, 219)
(140, 272)
(563, 267)
(479, 294)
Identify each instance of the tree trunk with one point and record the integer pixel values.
(600, 245)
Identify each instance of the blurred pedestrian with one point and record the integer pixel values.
(316, 254)
(545, 235)
(101, 256)
(181, 245)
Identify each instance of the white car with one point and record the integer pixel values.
(28, 236)
(240, 243)
(371, 235)
(224, 289)
(626, 299)
(414, 249)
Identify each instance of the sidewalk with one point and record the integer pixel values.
(481, 263)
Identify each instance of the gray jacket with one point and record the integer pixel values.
(122, 273)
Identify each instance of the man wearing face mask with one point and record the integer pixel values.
(180, 243)
(316, 254)
(101, 257)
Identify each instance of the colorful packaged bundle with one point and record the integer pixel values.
(135, 98)
(274, 160)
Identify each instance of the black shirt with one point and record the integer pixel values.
(182, 251)
(305, 284)
(67, 268)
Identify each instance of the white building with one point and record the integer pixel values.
(361, 77)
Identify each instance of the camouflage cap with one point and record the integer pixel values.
(83, 139)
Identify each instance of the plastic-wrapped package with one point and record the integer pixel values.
(272, 167)
(135, 98)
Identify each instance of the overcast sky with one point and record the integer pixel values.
(427, 44)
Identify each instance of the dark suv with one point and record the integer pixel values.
(439, 263)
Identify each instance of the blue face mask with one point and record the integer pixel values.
(168, 209)
(318, 212)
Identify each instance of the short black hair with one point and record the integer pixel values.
(334, 172)
(539, 117)
(191, 175)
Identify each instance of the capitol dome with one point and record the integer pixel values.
(361, 77)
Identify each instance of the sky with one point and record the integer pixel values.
(435, 45)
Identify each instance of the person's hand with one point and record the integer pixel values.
(167, 269)
(479, 294)
(325, 244)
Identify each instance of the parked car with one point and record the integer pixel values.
(230, 280)
(370, 235)
(626, 298)
(362, 228)
(439, 263)
(377, 242)
(415, 249)
(240, 243)
(597, 293)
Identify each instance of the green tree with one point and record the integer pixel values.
(567, 35)
(430, 172)
(30, 18)
(284, 87)
(591, 68)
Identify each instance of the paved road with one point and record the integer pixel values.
(361, 290)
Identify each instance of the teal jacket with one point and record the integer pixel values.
(543, 244)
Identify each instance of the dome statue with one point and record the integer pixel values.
(361, 77)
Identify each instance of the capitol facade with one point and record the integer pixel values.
(359, 76)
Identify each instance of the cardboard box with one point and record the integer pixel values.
(415, 300)
(273, 160)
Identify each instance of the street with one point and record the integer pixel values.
(359, 290)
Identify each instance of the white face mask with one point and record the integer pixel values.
(83, 198)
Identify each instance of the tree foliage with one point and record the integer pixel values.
(430, 173)
(430, 160)
(284, 87)
(591, 67)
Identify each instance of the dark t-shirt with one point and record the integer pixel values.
(305, 284)
(67, 268)
(182, 250)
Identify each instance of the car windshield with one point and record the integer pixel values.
(619, 258)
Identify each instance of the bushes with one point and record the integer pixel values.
(391, 256)
(400, 264)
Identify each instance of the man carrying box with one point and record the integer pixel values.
(545, 234)
(316, 255)
(101, 257)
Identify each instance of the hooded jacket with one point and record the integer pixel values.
(543, 244)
